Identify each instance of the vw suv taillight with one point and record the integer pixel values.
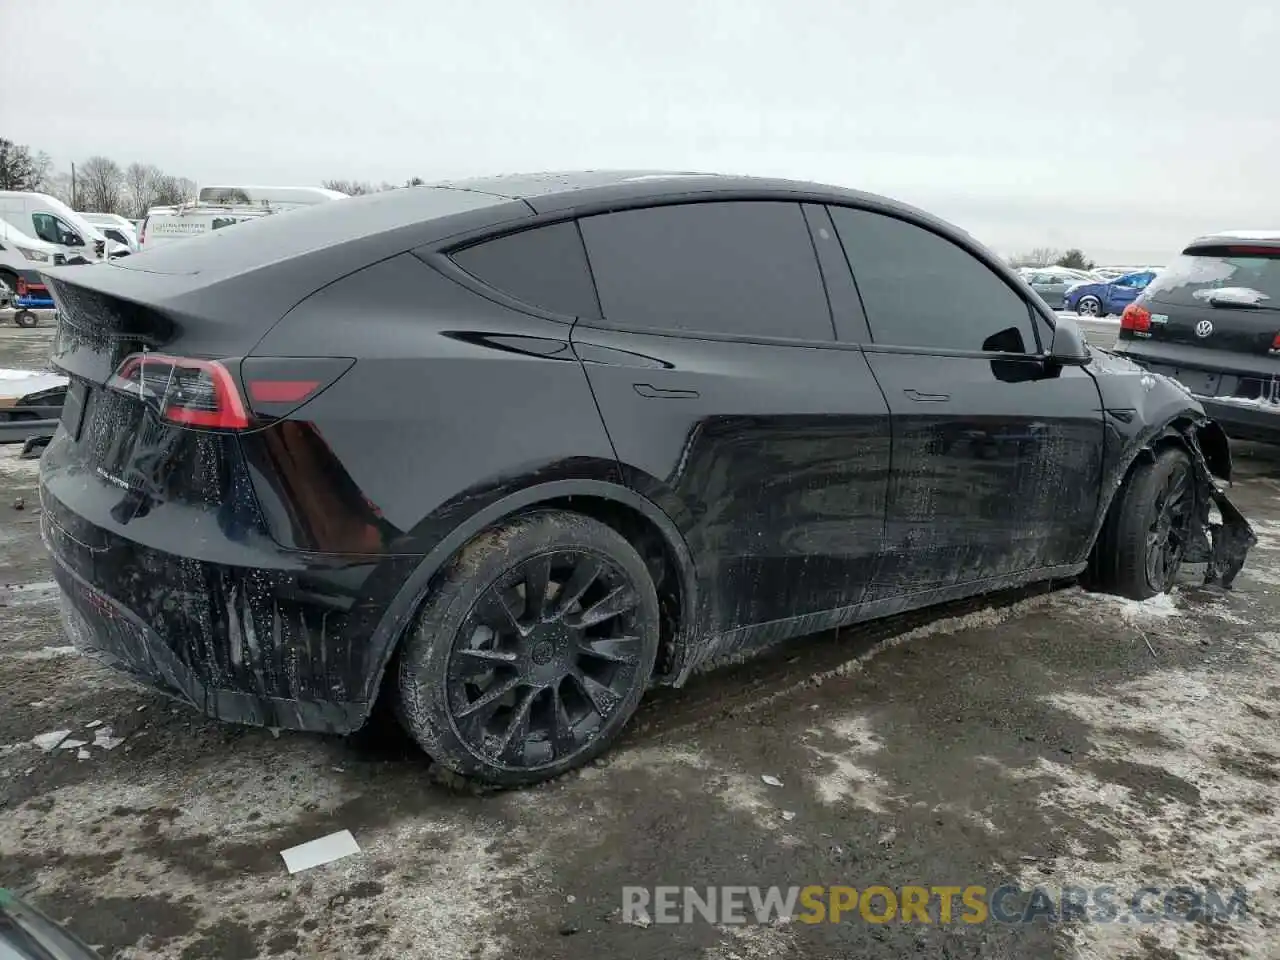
(194, 393)
(1136, 319)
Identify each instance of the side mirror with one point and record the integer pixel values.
(74, 240)
(1069, 347)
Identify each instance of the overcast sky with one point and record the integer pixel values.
(1123, 128)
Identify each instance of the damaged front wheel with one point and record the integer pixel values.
(1147, 535)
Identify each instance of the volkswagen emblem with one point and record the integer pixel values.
(1204, 328)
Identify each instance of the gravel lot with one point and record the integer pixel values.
(1039, 740)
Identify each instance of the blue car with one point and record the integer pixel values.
(1106, 296)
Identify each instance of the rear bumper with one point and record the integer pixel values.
(1215, 386)
(1253, 421)
(231, 625)
(106, 631)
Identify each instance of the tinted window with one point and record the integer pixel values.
(1237, 273)
(921, 290)
(544, 267)
(46, 227)
(745, 268)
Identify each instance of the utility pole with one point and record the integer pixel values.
(74, 205)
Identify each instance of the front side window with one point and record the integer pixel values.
(52, 230)
(544, 267)
(919, 289)
(744, 268)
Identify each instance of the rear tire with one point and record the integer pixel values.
(25, 318)
(1145, 536)
(508, 689)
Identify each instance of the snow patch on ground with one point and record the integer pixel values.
(44, 653)
(449, 894)
(751, 941)
(14, 468)
(1104, 606)
(28, 594)
(842, 779)
(1201, 733)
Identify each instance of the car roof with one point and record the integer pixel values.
(1251, 235)
(563, 190)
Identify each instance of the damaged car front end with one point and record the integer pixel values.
(1146, 412)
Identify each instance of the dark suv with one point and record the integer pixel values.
(509, 451)
(1211, 320)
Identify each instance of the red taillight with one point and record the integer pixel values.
(22, 287)
(277, 386)
(142, 231)
(1275, 343)
(196, 393)
(1136, 318)
(281, 391)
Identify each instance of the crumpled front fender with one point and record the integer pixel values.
(1144, 411)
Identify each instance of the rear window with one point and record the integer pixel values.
(545, 267)
(744, 268)
(1242, 274)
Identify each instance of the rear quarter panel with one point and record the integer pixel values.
(453, 403)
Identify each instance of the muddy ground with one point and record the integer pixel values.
(1039, 741)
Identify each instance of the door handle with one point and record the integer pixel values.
(661, 393)
(926, 397)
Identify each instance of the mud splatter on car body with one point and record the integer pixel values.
(251, 495)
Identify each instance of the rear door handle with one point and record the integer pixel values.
(661, 393)
(926, 397)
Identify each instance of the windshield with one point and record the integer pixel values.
(1239, 274)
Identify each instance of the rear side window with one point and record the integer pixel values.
(745, 268)
(921, 290)
(1237, 273)
(544, 267)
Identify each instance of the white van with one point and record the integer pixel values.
(21, 259)
(114, 227)
(52, 221)
(166, 224)
(277, 198)
(218, 207)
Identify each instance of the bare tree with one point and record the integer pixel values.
(170, 190)
(140, 185)
(20, 169)
(352, 188)
(57, 184)
(100, 185)
(1038, 257)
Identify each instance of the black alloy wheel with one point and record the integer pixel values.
(1169, 531)
(548, 654)
(533, 650)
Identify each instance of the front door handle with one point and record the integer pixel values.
(662, 393)
(926, 397)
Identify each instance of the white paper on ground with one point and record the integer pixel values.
(315, 853)
(49, 741)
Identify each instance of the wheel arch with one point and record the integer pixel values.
(638, 519)
(1210, 442)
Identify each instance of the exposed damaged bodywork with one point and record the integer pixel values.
(1146, 410)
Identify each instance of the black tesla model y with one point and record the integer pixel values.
(508, 451)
